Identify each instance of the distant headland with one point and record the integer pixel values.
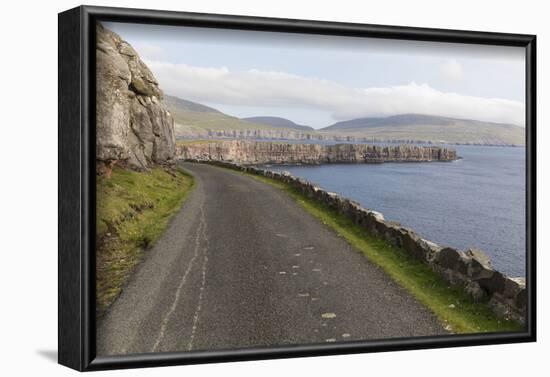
(260, 152)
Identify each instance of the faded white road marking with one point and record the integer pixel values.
(203, 284)
(328, 315)
(303, 294)
(282, 273)
(167, 316)
(316, 270)
(295, 266)
(281, 235)
(346, 335)
(330, 340)
(309, 248)
(297, 255)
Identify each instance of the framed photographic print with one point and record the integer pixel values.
(238, 188)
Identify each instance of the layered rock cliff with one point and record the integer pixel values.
(134, 127)
(264, 134)
(190, 133)
(256, 152)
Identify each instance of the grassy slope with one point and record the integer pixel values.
(133, 209)
(214, 121)
(450, 304)
(197, 123)
(195, 119)
(200, 118)
(458, 132)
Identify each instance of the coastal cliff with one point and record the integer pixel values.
(190, 133)
(134, 127)
(257, 152)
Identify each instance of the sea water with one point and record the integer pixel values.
(477, 201)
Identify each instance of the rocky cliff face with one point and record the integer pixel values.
(461, 132)
(254, 152)
(274, 134)
(195, 133)
(264, 134)
(134, 127)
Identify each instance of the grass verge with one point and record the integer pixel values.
(133, 209)
(452, 306)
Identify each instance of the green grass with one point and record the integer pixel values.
(458, 132)
(452, 306)
(133, 209)
(214, 121)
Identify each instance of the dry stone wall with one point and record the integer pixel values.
(470, 269)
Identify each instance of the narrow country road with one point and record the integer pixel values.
(242, 265)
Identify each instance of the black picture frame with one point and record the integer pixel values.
(76, 185)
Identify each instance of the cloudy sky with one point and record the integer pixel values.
(318, 80)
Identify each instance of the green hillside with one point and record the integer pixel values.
(193, 118)
(279, 122)
(430, 128)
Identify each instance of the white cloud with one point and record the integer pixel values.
(148, 50)
(453, 70)
(280, 89)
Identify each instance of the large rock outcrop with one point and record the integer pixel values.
(134, 127)
(255, 152)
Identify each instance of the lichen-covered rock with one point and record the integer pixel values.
(133, 126)
(419, 248)
(494, 284)
(481, 259)
(473, 289)
(377, 215)
(479, 265)
(452, 259)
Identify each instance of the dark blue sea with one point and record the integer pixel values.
(478, 201)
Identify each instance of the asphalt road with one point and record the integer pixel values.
(242, 265)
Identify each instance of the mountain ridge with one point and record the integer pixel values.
(194, 120)
(430, 128)
(406, 118)
(278, 122)
(189, 105)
